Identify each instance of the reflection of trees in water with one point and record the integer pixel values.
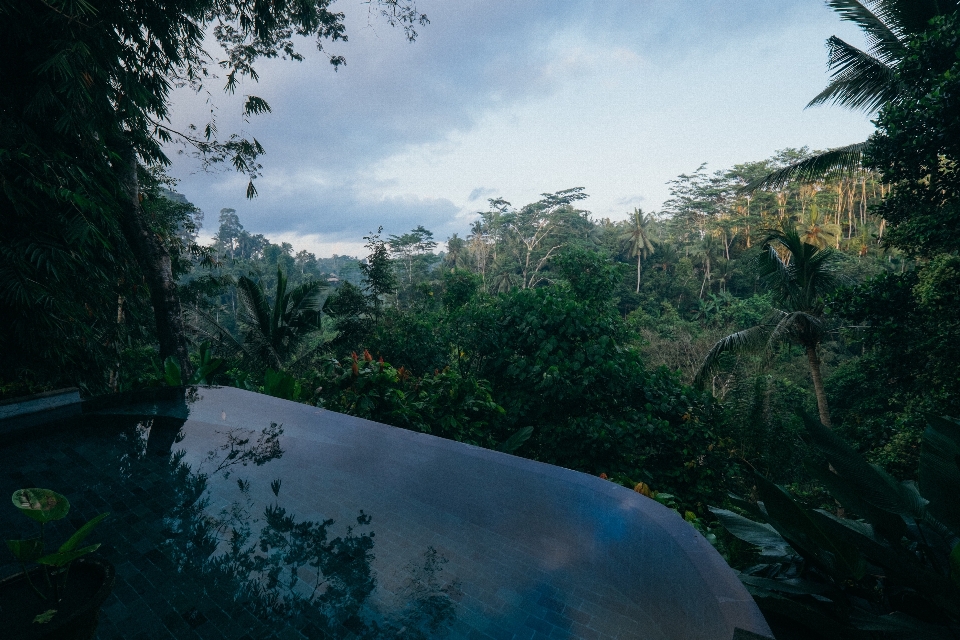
(286, 569)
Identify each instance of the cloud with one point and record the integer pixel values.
(631, 201)
(617, 96)
(481, 192)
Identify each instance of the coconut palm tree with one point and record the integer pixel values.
(638, 236)
(814, 229)
(862, 80)
(706, 250)
(798, 276)
(272, 334)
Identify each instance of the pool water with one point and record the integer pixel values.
(236, 515)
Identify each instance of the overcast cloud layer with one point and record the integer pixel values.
(512, 99)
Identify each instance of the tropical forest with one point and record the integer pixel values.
(773, 353)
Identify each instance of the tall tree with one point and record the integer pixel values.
(638, 237)
(87, 101)
(798, 277)
(412, 248)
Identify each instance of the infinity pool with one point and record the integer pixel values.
(240, 516)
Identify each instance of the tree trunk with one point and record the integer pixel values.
(638, 273)
(154, 262)
(822, 407)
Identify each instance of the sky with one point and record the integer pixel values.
(499, 98)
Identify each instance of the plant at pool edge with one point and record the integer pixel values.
(894, 570)
(43, 506)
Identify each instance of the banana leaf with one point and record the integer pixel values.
(837, 557)
(772, 545)
(868, 482)
(900, 565)
(888, 524)
(940, 471)
(793, 586)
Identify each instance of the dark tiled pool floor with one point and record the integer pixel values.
(260, 524)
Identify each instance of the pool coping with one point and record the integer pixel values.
(24, 412)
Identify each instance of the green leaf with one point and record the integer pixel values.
(82, 533)
(940, 472)
(45, 617)
(891, 525)
(42, 505)
(26, 550)
(758, 534)
(794, 586)
(171, 372)
(207, 369)
(805, 535)
(899, 564)
(516, 440)
(868, 482)
(60, 558)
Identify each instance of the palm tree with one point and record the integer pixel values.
(638, 235)
(815, 230)
(707, 249)
(798, 276)
(273, 334)
(456, 252)
(862, 80)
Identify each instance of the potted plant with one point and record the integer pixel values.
(60, 598)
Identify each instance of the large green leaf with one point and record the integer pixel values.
(940, 472)
(793, 586)
(898, 563)
(800, 528)
(171, 372)
(516, 440)
(758, 534)
(890, 525)
(42, 505)
(26, 550)
(61, 558)
(81, 533)
(868, 482)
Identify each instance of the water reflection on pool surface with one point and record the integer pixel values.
(236, 515)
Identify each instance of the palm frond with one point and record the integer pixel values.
(256, 317)
(208, 328)
(302, 306)
(254, 307)
(776, 275)
(842, 160)
(305, 297)
(279, 302)
(797, 327)
(881, 27)
(751, 339)
(859, 80)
